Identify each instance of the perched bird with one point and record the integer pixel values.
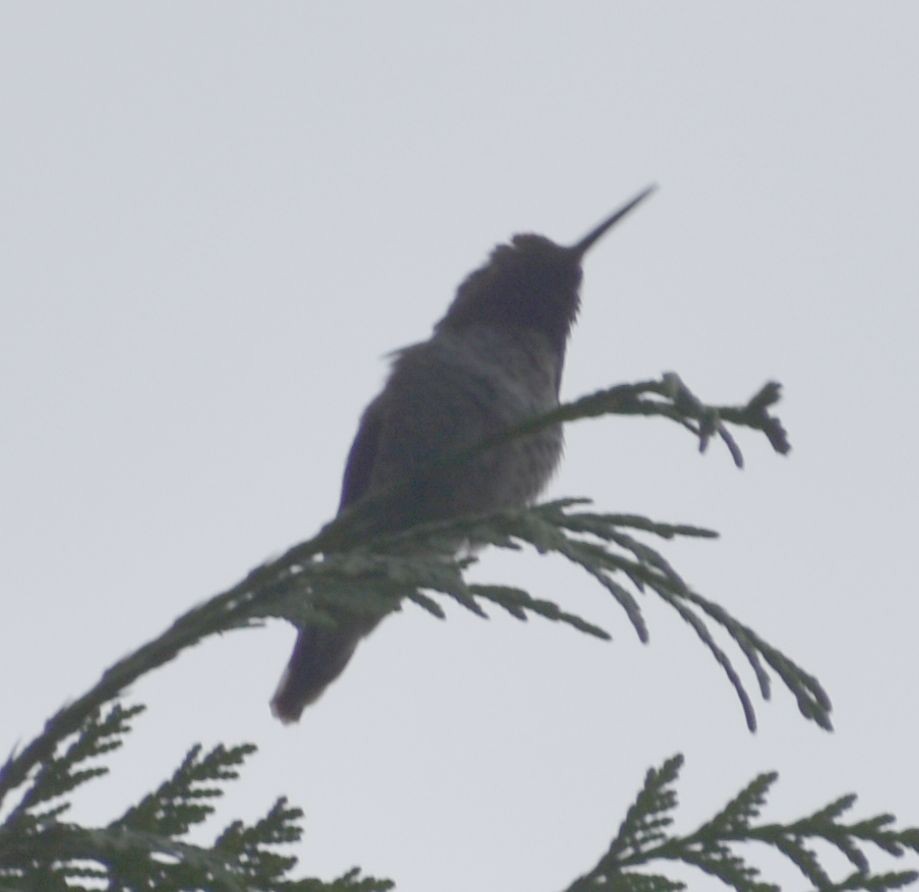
(494, 360)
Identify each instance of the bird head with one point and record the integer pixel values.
(529, 284)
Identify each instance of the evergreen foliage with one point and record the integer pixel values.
(644, 838)
(346, 570)
(145, 848)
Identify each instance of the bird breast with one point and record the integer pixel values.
(454, 391)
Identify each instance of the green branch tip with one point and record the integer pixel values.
(718, 847)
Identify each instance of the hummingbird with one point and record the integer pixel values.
(493, 361)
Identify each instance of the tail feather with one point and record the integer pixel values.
(320, 656)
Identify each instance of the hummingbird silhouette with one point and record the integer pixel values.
(493, 361)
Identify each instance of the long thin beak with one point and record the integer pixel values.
(580, 248)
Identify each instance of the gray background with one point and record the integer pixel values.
(217, 217)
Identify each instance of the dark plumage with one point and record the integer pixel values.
(494, 360)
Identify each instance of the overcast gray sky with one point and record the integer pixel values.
(215, 220)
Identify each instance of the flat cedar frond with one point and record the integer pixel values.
(517, 602)
(646, 820)
(144, 849)
(185, 799)
(376, 576)
(69, 766)
(745, 806)
(644, 839)
(248, 845)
